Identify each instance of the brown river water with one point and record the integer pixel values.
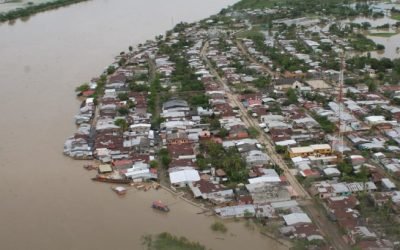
(47, 200)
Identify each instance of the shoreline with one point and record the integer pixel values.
(30, 10)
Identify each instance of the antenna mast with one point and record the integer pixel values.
(340, 101)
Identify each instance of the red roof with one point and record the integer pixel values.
(119, 163)
(88, 92)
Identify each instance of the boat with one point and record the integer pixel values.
(119, 190)
(160, 206)
(111, 180)
(89, 167)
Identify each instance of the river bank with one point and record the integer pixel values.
(32, 8)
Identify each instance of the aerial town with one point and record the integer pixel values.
(290, 118)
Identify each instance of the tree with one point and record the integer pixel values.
(223, 132)
(165, 160)
(82, 87)
(380, 47)
(122, 123)
(262, 82)
(345, 168)
(123, 111)
(130, 48)
(280, 149)
(153, 164)
(372, 87)
(110, 70)
(292, 96)
(253, 132)
(164, 157)
(123, 96)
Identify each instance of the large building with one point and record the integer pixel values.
(316, 149)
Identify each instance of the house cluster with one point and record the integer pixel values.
(120, 136)
(209, 149)
(342, 206)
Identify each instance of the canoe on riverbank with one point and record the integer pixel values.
(111, 180)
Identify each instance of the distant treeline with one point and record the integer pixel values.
(35, 8)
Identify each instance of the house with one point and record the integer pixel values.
(387, 184)
(257, 158)
(264, 192)
(177, 138)
(296, 219)
(287, 83)
(184, 177)
(236, 211)
(175, 105)
(104, 169)
(209, 190)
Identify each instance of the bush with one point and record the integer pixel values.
(219, 227)
(82, 87)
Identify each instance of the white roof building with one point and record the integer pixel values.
(184, 177)
(295, 218)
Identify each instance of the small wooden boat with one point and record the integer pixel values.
(111, 180)
(89, 167)
(160, 206)
(119, 190)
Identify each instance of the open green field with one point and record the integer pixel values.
(383, 34)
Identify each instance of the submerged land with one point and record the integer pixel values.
(281, 113)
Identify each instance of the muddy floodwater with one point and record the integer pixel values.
(47, 200)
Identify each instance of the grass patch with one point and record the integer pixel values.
(219, 227)
(166, 241)
(395, 16)
(255, 4)
(255, 31)
(383, 34)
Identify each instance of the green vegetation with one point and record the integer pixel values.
(303, 244)
(153, 164)
(223, 133)
(280, 149)
(164, 156)
(230, 160)
(253, 132)
(383, 34)
(110, 70)
(359, 62)
(219, 227)
(262, 82)
(361, 43)
(297, 8)
(291, 97)
(123, 111)
(199, 100)
(326, 125)
(255, 4)
(166, 241)
(122, 123)
(123, 96)
(82, 87)
(395, 14)
(35, 8)
(380, 217)
(183, 73)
